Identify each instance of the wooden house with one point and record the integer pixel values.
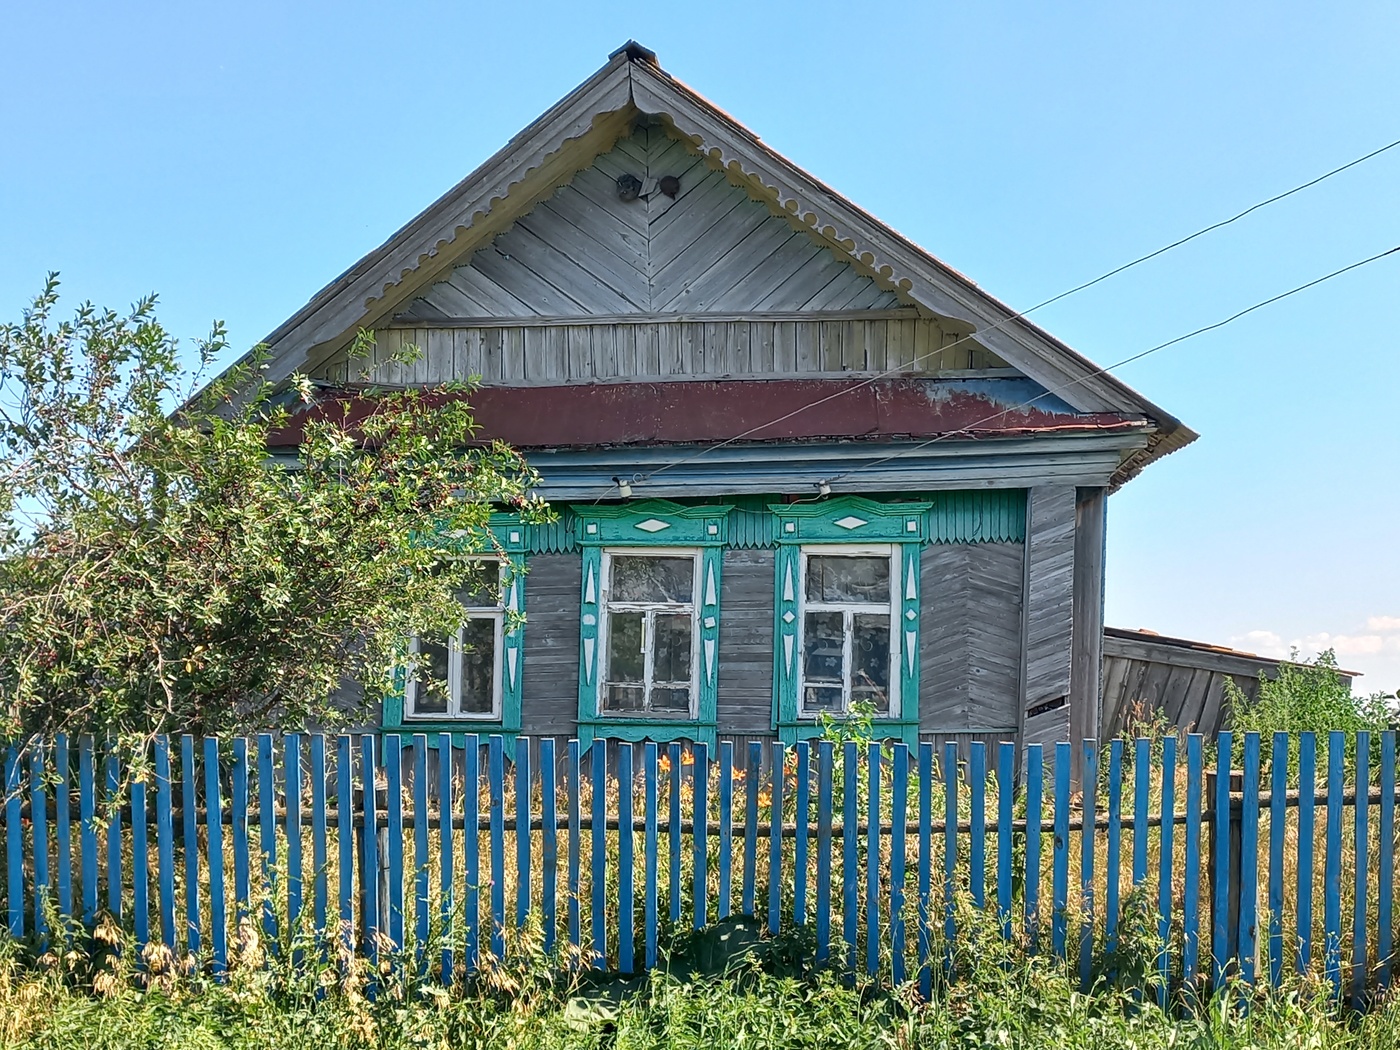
(802, 467)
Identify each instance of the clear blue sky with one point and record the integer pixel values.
(236, 157)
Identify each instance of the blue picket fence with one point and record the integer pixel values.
(874, 848)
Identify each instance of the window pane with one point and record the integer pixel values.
(478, 667)
(636, 579)
(484, 590)
(623, 698)
(430, 681)
(833, 578)
(671, 658)
(670, 701)
(625, 660)
(822, 647)
(821, 698)
(870, 652)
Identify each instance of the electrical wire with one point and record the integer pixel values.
(900, 369)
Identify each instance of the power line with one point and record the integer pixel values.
(1014, 317)
(1119, 364)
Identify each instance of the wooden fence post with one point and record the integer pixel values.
(1234, 843)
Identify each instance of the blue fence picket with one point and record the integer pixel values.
(140, 863)
(447, 759)
(950, 838)
(899, 818)
(726, 829)
(625, 843)
(748, 895)
(1113, 876)
(1060, 862)
(549, 842)
(1307, 792)
(345, 836)
(872, 859)
(1220, 833)
(977, 784)
(1332, 877)
(165, 843)
(1006, 804)
(214, 826)
(673, 845)
(1385, 862)
(369, 833)
(522, 830)
(575, 774)
(925, 867)
(1361, 859)
(1142, 782)
(824, 840)
(1164, 866)
(14, 844)
(1035, 816)
(63, 827)
(598, 849)
(114, 834)
(496, 788)
(1248, 935)
(291, 824)
(238, 816)
(393, 804)
(318, 833)
(471, 846)
(850, 844)
(422, 920)
(39, 831)
(700, 822)
(87, 827)
(189, 784)
(1087, 834)
(1278, 828)
(1191, 893)
(650, 798)
(267, 830)
(803, 805)
(775, 840)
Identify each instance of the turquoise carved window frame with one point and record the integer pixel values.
(506, 542)
(845, 522)
(650, 525)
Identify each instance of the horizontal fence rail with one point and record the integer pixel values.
(1243, 859)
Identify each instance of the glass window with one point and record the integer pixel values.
(846, 639)
(460, 677)
(650, 634)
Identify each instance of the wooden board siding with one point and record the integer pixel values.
(534, 354)
(549, 688)
(745, 702)
(1048, 614)
(711, 248)
(1087, 647)
(970, 638)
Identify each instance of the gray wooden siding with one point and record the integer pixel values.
(970, 639)
(1048, 613)
(549, 689)
(745, 701)
(554, 354)
(712, 248)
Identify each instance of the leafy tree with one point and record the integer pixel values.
(160, 573)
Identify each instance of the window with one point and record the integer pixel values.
(649, 636)
(460, 677)
(847, 646)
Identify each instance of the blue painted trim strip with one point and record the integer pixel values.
(899, 818)
(165, 843)
(189, 785)
(850, 832)
(549, 838)
(775, 839)
(626, 894)
(1035, 818)
(1385, 869)
(800, 873)
(522, 830)
(872, 859)
(1307, 791)
(1113, 876)
(726, 829)
(447, 758)
(495, 782)
(700, 817)
(649, 892)
(925, 868)
(1332, 880)
(1060, 882)
(825, 801)
(598, 851)
(213, 805)
(1165, 861)
(1361, 836)
(1191, 894)
(1278, 828)
(1006, 804)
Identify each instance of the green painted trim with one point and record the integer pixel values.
(850, 519)
(653, 523)
(636, 730)
(508, 535)
(901, 729)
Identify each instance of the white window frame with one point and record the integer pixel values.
(606, 607)
(455, 647)
(892, 608)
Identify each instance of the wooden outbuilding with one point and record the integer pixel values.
(802, 467)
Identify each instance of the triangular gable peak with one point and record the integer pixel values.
(624, 113)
